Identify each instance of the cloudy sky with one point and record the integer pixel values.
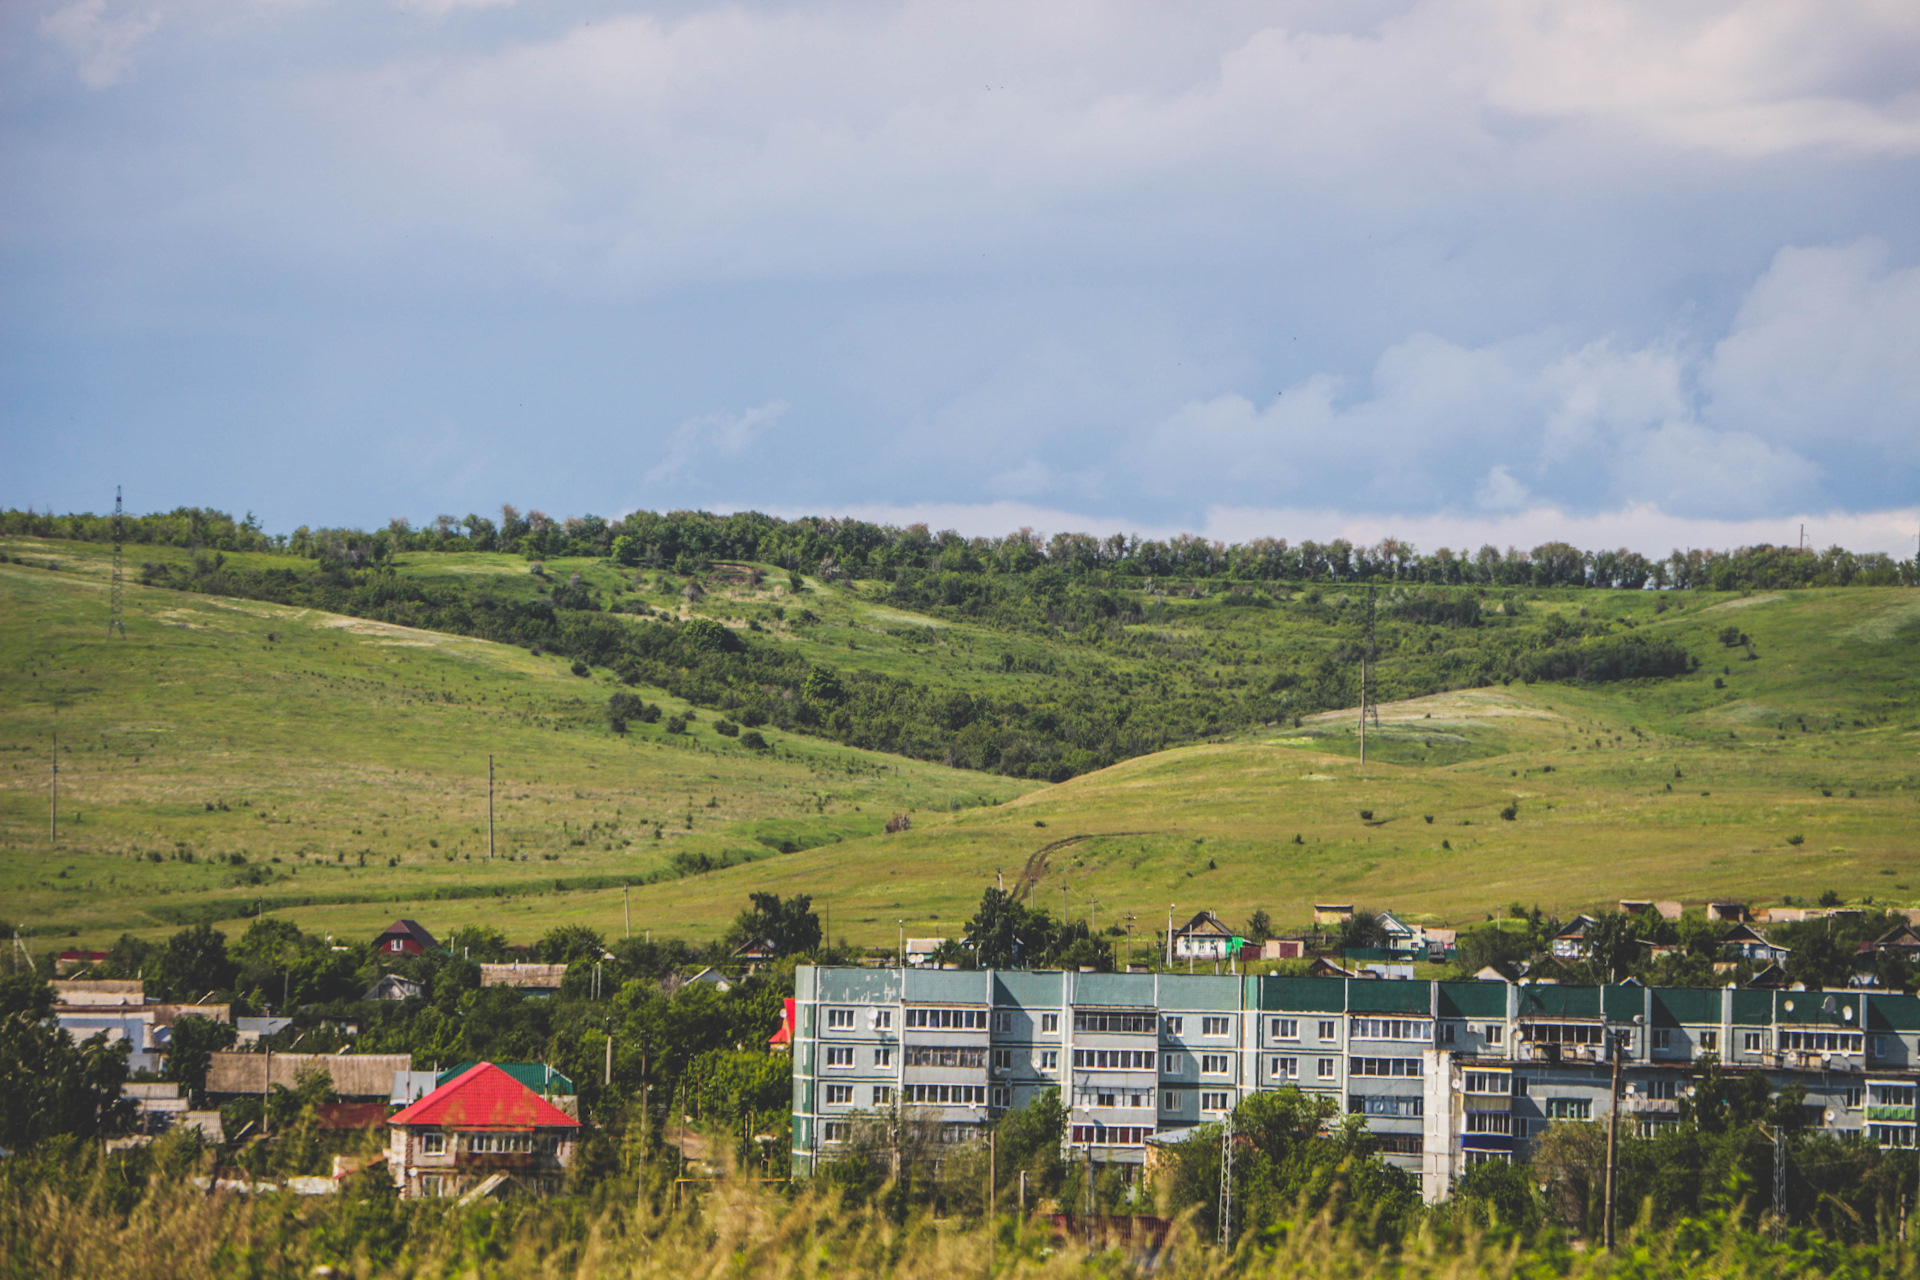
(1628, 273)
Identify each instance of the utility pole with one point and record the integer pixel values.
(1093, 913)
(115, 620)
(1226, 1183)
(626, 907)
(1366, 655)
(489, 808)
(1618, 1043)
(1779, 1179)
(607, 1079)
(1170, 907)
(53, 812)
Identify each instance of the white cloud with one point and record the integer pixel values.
(100, 42)
(720, 434)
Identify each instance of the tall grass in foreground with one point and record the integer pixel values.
(89, 1221)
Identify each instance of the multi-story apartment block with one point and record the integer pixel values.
(1446, 1074)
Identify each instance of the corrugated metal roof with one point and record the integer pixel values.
(1473, 999)
(355, 1075)
(485, 1098)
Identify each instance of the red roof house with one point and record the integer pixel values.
(404, 938)
(481, 1133)
(783, 1038)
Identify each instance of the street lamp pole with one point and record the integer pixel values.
(1620, 1043)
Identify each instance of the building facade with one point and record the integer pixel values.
(481, 1133)
(1446, 1074)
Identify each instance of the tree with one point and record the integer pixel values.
(1259, 926)
(569, 943)
(1362, 929)
(191, 1043)
(1499, 1195)
(787, 925)
(53, 1086)
(195, 963)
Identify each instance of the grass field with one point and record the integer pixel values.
(337, 738)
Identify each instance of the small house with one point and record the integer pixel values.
(404, 938)
(482, 1133)
(1332, 912)
(533, 979)
(1731, 912)
(1571, 942)
(1744, 942)
(1899, 940)
(1205, 937)
(393, 987)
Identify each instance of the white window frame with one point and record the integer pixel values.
(1049, 1024)
(839, 1095)
(839, 1057)
(883, 1020)
(1495, 1032)
(1003, 1020)
(883, 1057)
(1169, 1064)
(1173, 1025)
(1000, 1096)
(1329, 1031)
(1327, 1068)
(883, 1095)
(1049, 1060)
(1216, 1101)
(839, 1019)
(1283, 1068)
(1216, 1025)
(1003, 1059)
(834, 1131)
(1215, 1064)
(1169, 1100)
(1283, 1028)
(433, 1144)
(1751, 1041)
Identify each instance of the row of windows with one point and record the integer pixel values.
(1289, 1068)
(947, 1019)
(1389, 1029)
(1114, 1059)
(435, 1144)
(1383, 1066)
(1124, 1023)
(1105, 1135)
(1493, 1082)
(1108, 1098)
(960, 1095)
(1378, 1105)
(1399, 1144)
(1289, 1029)
(1561, 1033)
(928, 1056)
(1821, 1041)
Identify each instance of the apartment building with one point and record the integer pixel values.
(1446, 1074)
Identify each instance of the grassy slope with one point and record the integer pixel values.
(1601, 824)
(338, 737)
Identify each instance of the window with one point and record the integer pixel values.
(1050, 1024)
(1113, 1059)
(1389, 1029)
(1383, 1066)
(1283, 1068)
(1663, 1089)
(1491, 1082)
(1169, 1100)
(480, 1142)
(1170, 1064)
(1400, 1144)
(1519, 1127)
(396, 945)
(1519, 1084)
(1446, 1033)
(1487, 1157)
(1049, 1060)
(840, 1055)
(834, 1130)
(883, 1020)
(1489, 1122)
(1003, 1020)
(920, 1055)
(1326, 1068)
(1173, 1026)
(1406, 1106)
(1213, 1026)
(1139, 1101)
(1126, 1023)
(947, 1095)
(883, 1095)
(1213, 1064)
(1003, 1059)
(883, 1057)
(1750, 1041)
(1662, 1038)
(1213, 1102)
(1820, 1041)
(1105, 1135)
(839, 1095)
(1002, 1096)
(1104, 1100)
(1568, 1108)
(1284, 1028)
(947, 1019)
(1328, 1033)
(1561, 1032)
(1709, 1042)
(1891, 1135)
(1854, 1097)
(1494, 1032)
(1879, 1046)
(432, 1184)
(839, 1019)
(433, 1144)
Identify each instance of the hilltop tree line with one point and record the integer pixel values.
(842, 547)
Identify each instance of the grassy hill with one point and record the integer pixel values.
(326, 738)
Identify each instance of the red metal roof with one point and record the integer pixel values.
(485, 1098)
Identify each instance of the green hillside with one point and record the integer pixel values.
(326, 738)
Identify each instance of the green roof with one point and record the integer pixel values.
(1559, 1002)
(1673, 1006)
(1384, 995)
(1299, 995)
(1473, 999)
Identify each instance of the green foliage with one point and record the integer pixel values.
(191, 1044)
(788, 926)
(52, 1086)
(1006, 934)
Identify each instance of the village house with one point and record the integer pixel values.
(404, 938)
(1744, 942)
(482, 1133)
(1571, 942)
(531, 979)
(1205, 937)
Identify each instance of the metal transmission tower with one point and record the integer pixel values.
(1226, 1183)
(116, 622)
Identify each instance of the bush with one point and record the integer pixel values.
(582, 669)
(752, 740)
(675, 724)
(726, 728)
(1628, 657)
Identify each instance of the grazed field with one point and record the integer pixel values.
(336, 738)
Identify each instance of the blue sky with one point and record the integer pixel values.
(1632, 274)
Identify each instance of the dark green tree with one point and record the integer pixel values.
(787, 925)
(191, 1043)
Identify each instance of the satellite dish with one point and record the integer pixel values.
(1459, 1084)
(1847, 1013)
(1630, 1089)
(1828, 1007)
(1825, 1058)
(1787, 1005)
(1829, 1115)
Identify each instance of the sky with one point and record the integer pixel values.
(1627, 274)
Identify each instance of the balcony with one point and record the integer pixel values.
(1890, 1115)
(1640, 1105)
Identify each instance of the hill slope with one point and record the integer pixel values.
(340, 736)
